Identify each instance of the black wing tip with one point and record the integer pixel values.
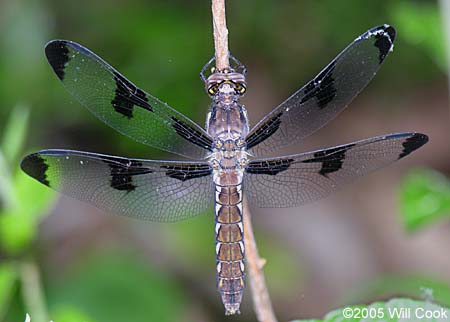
(386, 30)
(57, 54)
(35, 166)
(391, 32)
(384, 40)
(383, 30)
(384, 36)
(412, 143)
(55, 42)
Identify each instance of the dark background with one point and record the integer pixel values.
(349, 248)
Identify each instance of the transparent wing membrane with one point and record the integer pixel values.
(122, 105)
(320, 100)
(162, 191)
(293, 180)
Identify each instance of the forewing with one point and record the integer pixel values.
(297, 179)
(120, 104)
(163, 191)
(325, 96)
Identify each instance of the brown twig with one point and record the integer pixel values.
(261, 299)
(220, 34)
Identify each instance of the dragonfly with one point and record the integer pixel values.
(225, 157)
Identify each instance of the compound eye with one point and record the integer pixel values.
(213, 89)
(240, 87)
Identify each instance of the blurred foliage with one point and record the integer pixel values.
(27, 200)
(280, 267)
(18, 226)
(424, 198)
(428, 34)
(107, 287)
(14, 134)
(25, 29)
(24, 202)
(8, 277)
(70, 314)
(385, 311)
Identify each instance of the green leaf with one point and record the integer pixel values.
(424, 198)
(420, 24)
(15, 132)
(8, 276)
(392, 311)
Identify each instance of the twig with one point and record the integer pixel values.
(261, 299)
(220, 34)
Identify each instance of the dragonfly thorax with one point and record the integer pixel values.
(228, 154)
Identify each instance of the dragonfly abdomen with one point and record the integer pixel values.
(230, 246)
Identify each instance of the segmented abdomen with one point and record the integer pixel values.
(230, 246)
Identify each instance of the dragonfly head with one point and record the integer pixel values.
(227, 85)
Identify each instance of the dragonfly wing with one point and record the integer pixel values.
(297, 179)
(162, 191)
(122, 105)
(320, 100)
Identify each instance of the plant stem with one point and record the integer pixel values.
(220, 34)
(261, 299)
(33, 296)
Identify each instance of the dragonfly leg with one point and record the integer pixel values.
(207, 66)
(238, 66)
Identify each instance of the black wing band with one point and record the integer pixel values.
(122, 105)
(163, 191)
(320, 100)
(297, 179)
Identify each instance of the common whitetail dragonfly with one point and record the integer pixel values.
(228, 156)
